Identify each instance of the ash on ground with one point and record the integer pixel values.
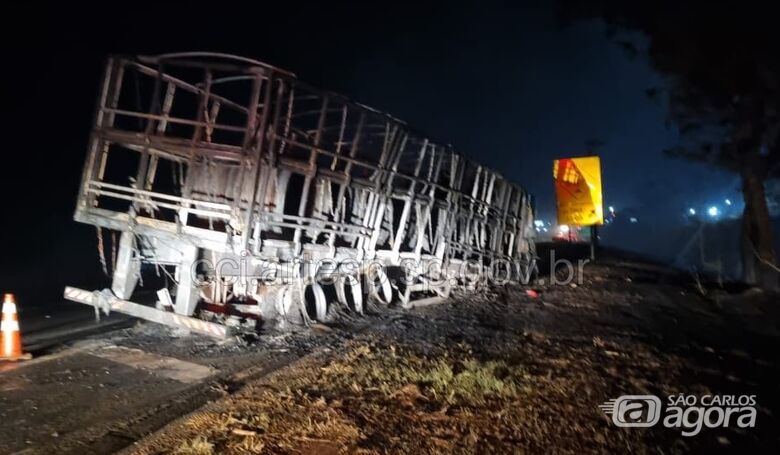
(506, 370)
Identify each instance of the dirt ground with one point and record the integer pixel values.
(501, 371)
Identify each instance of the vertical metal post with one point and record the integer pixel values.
(271, 169)
(188, 182)
(162, 125)
(594, 241)
(340, 209)
(258, 155)
(98, 147)
(312, 167)
(372, 212)
(427, 213)
(154, 108)
(393, 159)
(246, 144)
(410, 200)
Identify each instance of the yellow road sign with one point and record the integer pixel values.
(578, 190)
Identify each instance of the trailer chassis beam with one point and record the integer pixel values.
(106, 302)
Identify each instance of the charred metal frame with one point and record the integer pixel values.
(233, 157)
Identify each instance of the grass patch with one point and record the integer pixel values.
(456, 381)
(197, 446)
(473, 383)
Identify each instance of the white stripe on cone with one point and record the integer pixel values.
(8, 327)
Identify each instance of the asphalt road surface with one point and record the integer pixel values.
(46, 327)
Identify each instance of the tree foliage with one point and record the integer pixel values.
(721, 62)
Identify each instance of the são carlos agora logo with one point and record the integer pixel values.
(689, 413)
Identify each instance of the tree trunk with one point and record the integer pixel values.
(758, 250)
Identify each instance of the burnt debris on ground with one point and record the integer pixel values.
(500, 369)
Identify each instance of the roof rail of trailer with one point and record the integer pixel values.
(201, 56)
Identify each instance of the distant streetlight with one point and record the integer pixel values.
(692, 211)
(728, 201)
(713, 211)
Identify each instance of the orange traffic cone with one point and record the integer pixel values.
(10, 338)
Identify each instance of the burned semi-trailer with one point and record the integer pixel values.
(265, 199)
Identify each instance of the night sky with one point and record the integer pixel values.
(510, 87)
